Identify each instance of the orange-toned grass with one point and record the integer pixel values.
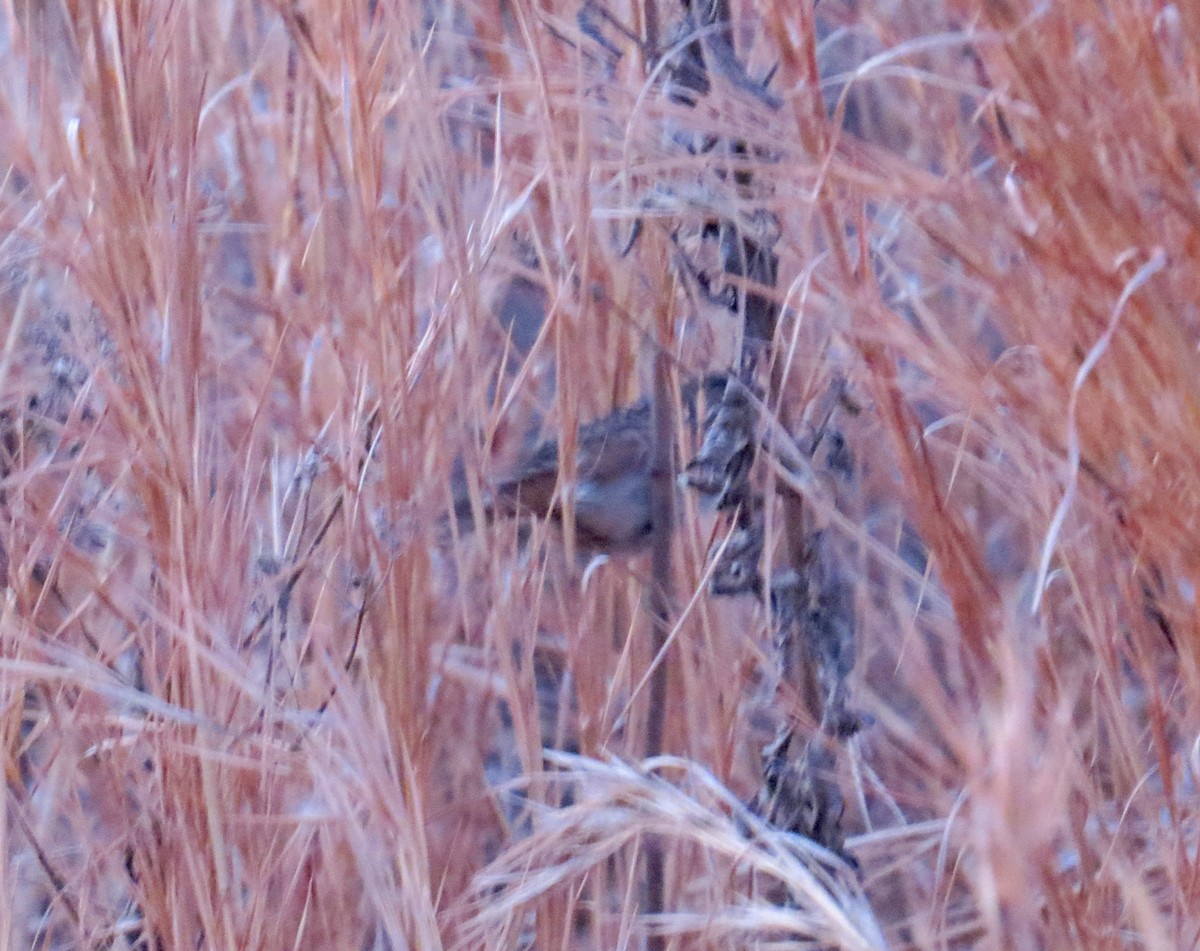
(254, 692)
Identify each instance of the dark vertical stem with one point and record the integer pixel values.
(651, 29)
(662, 495)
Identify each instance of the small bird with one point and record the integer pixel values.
(612, 497)
(614, 463)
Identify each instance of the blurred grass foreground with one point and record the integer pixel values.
(286, 286)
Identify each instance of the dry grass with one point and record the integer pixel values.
(253, 692)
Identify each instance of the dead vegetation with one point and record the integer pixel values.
(286, 287)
